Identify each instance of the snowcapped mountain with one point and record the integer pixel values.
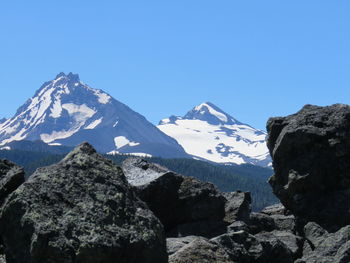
(206, 132)
(65, 111)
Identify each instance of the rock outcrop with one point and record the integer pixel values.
(80, 210)
(326, 247)
(11, 177)
(311, 153)
(184, 205)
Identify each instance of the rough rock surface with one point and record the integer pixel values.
(207, 251)
(261, 222)
(327, 247)
(261, 248)
(237, 206)
(184, 205)
(276, 209)
(311, 153)
(11, 177)
(173, 244)
(80, 210)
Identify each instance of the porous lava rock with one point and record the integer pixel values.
(326, 247)
(11, 177)
(80, 210)
(237, 207)
(184, 205)
(311, 153)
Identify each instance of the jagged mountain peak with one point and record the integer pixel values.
(207, 112)
(70, 76)
(210, 113)
(65, 111)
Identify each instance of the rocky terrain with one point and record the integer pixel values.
(87, 209)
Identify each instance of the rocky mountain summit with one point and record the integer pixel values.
(208, 133)
(66, 111)
(87, 209)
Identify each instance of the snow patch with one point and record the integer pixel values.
(121, 141)
(7, 148)
(94, 124)
(102, 97)
(56, 109)
(79, 112)
(55, 135)
(212, 111)
(55, 144)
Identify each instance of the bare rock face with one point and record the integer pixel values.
(184, 205)
(80, 210)
(326, 247)
(311, 153)
(237, 206)
(11, 177)
(207, 251)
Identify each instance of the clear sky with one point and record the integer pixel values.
(254, 59)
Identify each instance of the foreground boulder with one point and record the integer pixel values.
(202, 250)
(311, 153)
(326, 247)
(184, 205)
(237, 207)
(11, 177)
(80, 210)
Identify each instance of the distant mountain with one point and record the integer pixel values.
(66, 112)
(208, 133)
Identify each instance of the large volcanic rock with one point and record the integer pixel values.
(184, 205)
(311, 153)
(11, 176)
(80, 210)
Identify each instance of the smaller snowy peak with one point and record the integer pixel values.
(210, 113)
(208, 133)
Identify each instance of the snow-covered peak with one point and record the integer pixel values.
(207, 132)
(210, 113)
(66, 111)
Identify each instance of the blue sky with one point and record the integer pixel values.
(253, 59)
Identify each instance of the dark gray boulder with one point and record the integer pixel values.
(293, 243)
(209, 251)
(326, 247)
(274, 250)
(173, 244)
(237, 206)
(311, 153)
(11, 177)
(261, 248)
(184, 205)
(276, 209)
(80, 210)
(237, 226)
(259, 222)
(284, 223)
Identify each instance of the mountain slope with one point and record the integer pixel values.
(65, 111)
(208, 133)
